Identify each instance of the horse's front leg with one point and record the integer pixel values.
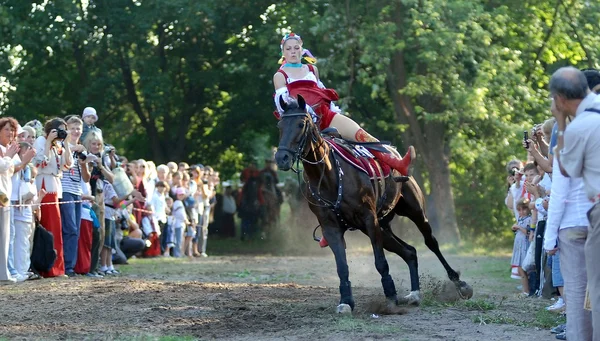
(381, 264)
(335, 237)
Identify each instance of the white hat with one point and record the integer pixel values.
(89, 111)
(20, 130)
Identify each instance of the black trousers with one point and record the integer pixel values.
(539, 245)
(95, 261)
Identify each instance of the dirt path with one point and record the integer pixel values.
(256, 298)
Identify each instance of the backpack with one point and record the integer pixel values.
(43, 254)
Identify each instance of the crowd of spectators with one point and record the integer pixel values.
(553, 196)
(70, 206)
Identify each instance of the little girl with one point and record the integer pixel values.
(181, 220)
(522, 229)
(169, 232)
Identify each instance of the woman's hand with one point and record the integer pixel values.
(511, 180)
(529, 145)
(79, 148)
(515, 227)
(138, 196)
(51, 137)
(41, 194)
(552, 252)
(28, 156)
(531, 189)
(12, 150)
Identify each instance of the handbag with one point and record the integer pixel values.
(529, 261)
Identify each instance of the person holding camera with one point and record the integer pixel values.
(53, 156)
(578, 157)
(70, 208)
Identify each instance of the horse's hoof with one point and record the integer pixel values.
(344, 309)
(414, 298)
(465, 291)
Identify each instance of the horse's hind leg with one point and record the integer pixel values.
(409, 254)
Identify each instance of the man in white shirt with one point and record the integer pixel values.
(579, 157)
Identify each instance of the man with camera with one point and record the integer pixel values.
(578, 156)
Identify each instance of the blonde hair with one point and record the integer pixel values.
(151, 169)
(93, 136)
(523, 203)
(547, 128)
(74, 120)
(30, 130)
(145, 164)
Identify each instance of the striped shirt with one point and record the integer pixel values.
(71, 178)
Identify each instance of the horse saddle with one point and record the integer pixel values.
(359, 157)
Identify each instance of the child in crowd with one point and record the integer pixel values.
(151, 232)
(176, 183)
(169, 232)
(521, 244)
(180, 221)
(89, 118)
(159, 204)
(111, 204)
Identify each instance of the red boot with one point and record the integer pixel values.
(323, 242)
(393, 159)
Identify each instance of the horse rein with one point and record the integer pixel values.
(299, 155)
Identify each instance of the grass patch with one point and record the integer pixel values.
(546, 319)
(543, 319)
(357, 325)
(479, 305)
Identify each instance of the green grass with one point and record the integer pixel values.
(543, 319)
(480, 305)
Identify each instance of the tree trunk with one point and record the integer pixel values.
(429, 139)
(147, 123)
(437, 159)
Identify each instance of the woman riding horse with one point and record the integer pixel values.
(295, 78)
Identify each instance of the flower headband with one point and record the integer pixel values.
(306, 55)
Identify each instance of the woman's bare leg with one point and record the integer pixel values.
(350, 130)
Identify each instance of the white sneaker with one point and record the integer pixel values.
(559, 305)
(21, 278)
(203, 254)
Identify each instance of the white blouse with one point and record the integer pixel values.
(6, 173)
(50, 169)
(568, 206)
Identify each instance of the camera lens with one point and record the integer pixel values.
(61, 134)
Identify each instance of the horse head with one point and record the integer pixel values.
(295, 126)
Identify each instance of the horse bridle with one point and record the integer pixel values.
(299, 154)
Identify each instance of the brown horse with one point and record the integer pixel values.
(344, 198)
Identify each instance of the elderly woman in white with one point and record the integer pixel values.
(8, 149)
(566, 231)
